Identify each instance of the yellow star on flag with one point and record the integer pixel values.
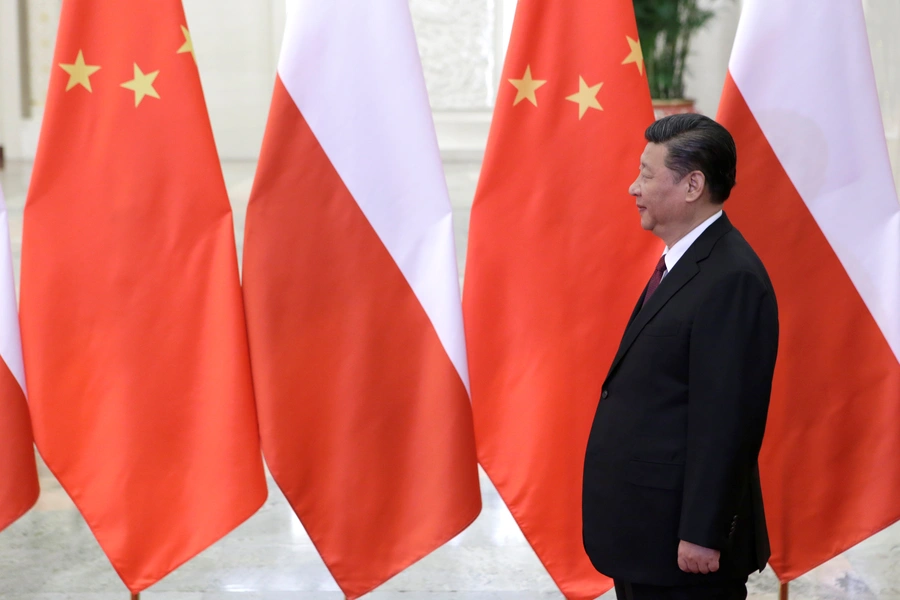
(586, 97)
(526, 87)
(636, 56)
(188, 45)
(79, 73)
(142, 85)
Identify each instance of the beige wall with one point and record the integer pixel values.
(708, 62)
(236, 43)
(883, 23)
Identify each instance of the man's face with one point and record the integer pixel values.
(659, 195)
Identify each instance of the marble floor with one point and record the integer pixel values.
(50, 554)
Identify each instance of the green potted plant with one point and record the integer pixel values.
(666, 28)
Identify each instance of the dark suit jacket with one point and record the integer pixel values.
(674, 445)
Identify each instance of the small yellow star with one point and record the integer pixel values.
(586, 97)
(636, 56)
(526, 87)
(141, 85)
(188, 45)
(79, 73)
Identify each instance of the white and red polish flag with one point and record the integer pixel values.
(816, 199)
(352, 297)
(18, 473)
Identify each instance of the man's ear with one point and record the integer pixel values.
(696, 185)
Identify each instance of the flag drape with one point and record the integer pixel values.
(18, 472)
(556, 261)
(352, 296)
(132, 319)
(816, 199)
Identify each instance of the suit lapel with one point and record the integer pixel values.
(684, 270)
(637, 307)
(674, 281)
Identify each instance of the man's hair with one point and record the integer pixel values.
(697, 143)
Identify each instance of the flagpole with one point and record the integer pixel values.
(783, 591)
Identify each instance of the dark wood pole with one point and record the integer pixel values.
(783, 592)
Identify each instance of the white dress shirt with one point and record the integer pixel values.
(674, 253)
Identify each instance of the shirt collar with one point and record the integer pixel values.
(674, 253)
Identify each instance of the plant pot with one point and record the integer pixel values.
(664, 108)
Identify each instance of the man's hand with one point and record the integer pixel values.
(697, 559)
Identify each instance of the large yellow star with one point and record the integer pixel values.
(526, 87)
(141, 85)
(188, 45)
(636, 56)
(586, 97)
(79, 73)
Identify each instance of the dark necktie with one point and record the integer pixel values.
(655, 278)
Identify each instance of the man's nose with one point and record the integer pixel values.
(633, 189)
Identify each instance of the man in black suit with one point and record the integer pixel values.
(672, 506)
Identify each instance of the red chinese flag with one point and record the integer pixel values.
(132, 322)
(556, 262)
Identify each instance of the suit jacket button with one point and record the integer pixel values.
(604, 394)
